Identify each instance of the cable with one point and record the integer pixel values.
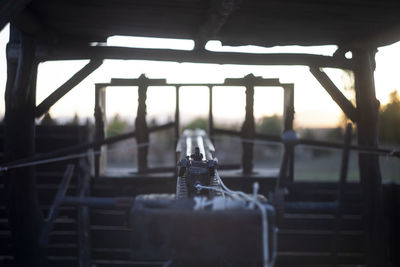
(363, 150)
(263, 209)
(72, 156)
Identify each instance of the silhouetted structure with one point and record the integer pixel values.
(45, 30)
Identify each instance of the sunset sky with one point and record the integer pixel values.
(314, 107)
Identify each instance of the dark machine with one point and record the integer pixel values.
(197, 168)
(204, 223)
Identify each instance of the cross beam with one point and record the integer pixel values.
(45, 53)
(334, 92)
(61, 91)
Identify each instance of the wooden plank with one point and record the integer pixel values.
(111, 238)
(108, 217)
(319, 222)
(319, 241)
(289, 259)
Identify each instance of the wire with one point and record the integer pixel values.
(363, 150)
(263, 209)
(72, 156)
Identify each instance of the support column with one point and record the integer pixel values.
(177, 114)
(288, 118)
(142, 133)
(248, 127)
(100, 159)
(210, 114)
(24, 213)
(370, 175)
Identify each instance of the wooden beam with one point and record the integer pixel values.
(217, 15)
(337, 96)
(29, 23)
(370, 175)
(61, 91)
(136, 82)
(84, 248)
(100, 159)
(10, 8)
(45, 53)
(142, 133)
(210, 113)
(248, 129)
(24, 213)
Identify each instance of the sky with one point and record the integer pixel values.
(314, 107)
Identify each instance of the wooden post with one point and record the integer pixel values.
(100, 121)
(177, 118)
(248, 127)
(210, 114)
(142, 133)
(177, 124)
(370, 175)
(288, 118)
(24, 213)
(84, 255)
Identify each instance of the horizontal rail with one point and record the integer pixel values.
(309, 142)
(99, 202)
(82, 147)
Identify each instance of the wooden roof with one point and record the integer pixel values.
(234, 22)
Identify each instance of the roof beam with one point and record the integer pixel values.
(334, 92)
(10, 8)
(217, 16)
(28, 22)
(61, 91)
(45, 53)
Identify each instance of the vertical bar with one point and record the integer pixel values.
(340, 193)
(61, 191)
(370, 175)
(177, 124)
(248, 127)
(84, 255)
(24, 213)
(142, 133)
(100, 159)
(288, 118)
(177, 119)
(210, 114)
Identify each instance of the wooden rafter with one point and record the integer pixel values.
(10, 8)
(29, 23)
(216, 17)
